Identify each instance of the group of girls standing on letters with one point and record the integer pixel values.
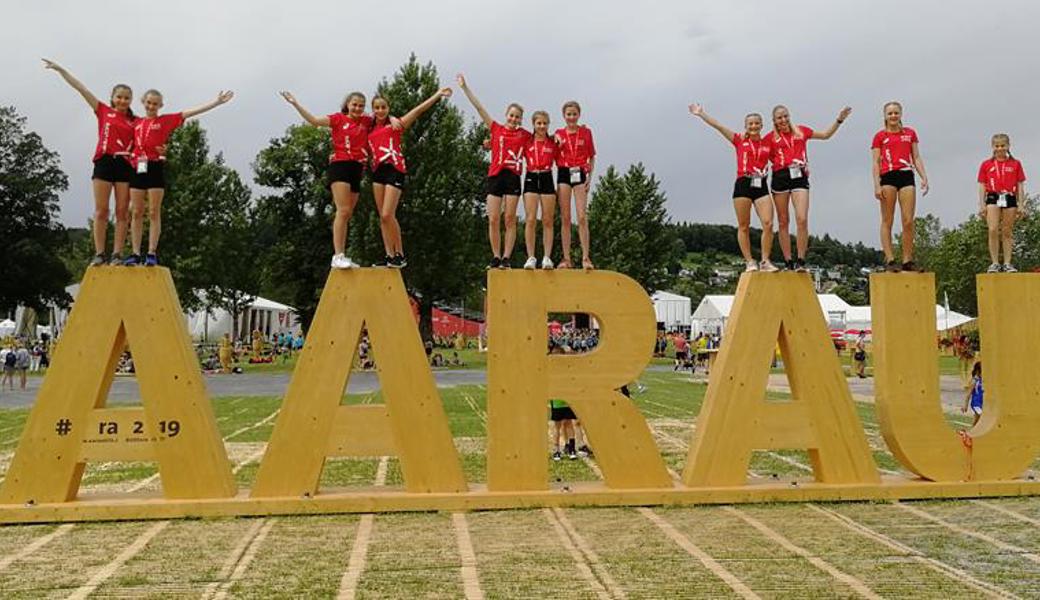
(773, 171)
(129, 162)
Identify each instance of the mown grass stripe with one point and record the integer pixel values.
(129, 552)
(35, 545)
(590, 555)
(579, 561)
(1024, 553)
(468, 558)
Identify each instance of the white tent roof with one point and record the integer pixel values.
(713, 307)
(662, 295)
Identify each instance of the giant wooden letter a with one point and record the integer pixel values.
(736, 419)
(69, 424)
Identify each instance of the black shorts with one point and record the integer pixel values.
(113, 169)
(860, 356)
(387, 174)
(563, 176)
(154, 178)
(993, 197)
(562, 413)
(782, 181)
(898, 179)
(506, 183)
(540, 182)
(742, 188)
(346, 171)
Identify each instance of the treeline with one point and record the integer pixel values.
(708, 238)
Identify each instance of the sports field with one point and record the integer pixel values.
(947, 549)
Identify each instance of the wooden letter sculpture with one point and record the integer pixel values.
(522, 377)
(313, 425)
(1005, 441)
(69, 424)
(736, 419)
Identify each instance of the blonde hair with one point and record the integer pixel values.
(569, 104)
(1003, 137)
(884, 113)
(781, 107)
(540, 113)
(513, 105)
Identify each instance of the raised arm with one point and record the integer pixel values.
(222, 98)
(415, 113)
(473, 100)
(91, 99)
(698, 111)
(306, 114)
(919, 165)
(830, 131)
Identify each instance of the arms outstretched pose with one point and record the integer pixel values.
(790, 183)
(751, 188)
(895, 158)
(112, 168)
(149, 180)
(574, 165)
(503, 182)
(350, 127)
(388, 168)
(540, 153)
(1001, 189)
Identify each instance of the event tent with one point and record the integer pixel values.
(671, 309)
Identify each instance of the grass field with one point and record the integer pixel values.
(922, 549)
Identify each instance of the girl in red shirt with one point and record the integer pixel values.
(112, 168)
(752, 187)
(149, 179)
(574, 166)
(349, 128)
(790, 184)
(388, 169)
(1001, 187)
(539, 189)
(895, 158)
(503, 182)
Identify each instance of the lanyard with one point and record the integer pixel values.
(754, 153)
(571, 144)
(1000, 184)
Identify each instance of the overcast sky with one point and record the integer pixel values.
(962, 70)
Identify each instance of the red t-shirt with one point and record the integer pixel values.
(576, 147)
(152, 132)
(787, 150)
(1001, 176)
(752, 155)
(115, 132)
(896, 149)
(384, 145)
(507, 148)
(540, 154)
(349, 137)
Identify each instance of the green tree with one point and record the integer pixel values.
(629, 226)
(32, 271)
(440, 212)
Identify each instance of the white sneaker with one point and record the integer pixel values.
(752, 266)
(767, 267)
(1008, 268)
(547, 263)
(993, 268)
(531, 263)
(340, 261)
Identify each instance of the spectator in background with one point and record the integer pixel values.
(975, 392)
(8, 359)
(681, 351)
(22, 361)
(859, 355)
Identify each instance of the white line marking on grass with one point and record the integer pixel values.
(858, 586)
(247, 558)
(359, 551)
(470, 579)
(915, 554)
(476, 408)
(693, 550)
(1007, 511)
(34, 546)
(1024, 553)
(233, 558)
(579, 561)
(259, 423)
(129, 552)
(590, 554)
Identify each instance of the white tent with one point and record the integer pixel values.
(671, 309)
(6, 327)
(711, 314)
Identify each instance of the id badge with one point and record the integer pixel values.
(795, 172)
(1002, 201)
(756, 182)
(575, 175)
(142, 167)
